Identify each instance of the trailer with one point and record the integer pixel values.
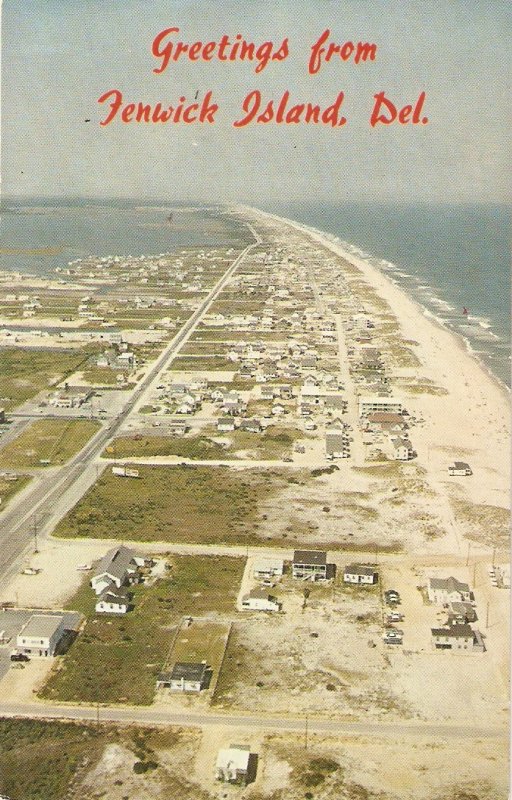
(125, 472)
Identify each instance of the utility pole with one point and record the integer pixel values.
(306, 734)
(467, 557)
(474, 574)
(487, 615)
(35, 534)
(97, 713)
(493, 556)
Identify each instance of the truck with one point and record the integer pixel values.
(125, 472)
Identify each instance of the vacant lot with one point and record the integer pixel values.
(9, 488)
(38, 759)
(312, 658)
(205, 363)
(174, 504)
(117, 659)
(49, 440)
(26, 372)
(71, 761)
(274, 443)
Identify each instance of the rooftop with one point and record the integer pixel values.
(359, 569)
(450, 584)
(318, 557)
(455, 632)
(42, 626)
(189, 671)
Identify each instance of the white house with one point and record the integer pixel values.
(374, 403)
(260, 600)
(268, 568)
(402, 449)
(113, 601)
(225, 424)
(360, 573)
(448, 590)
(186, 677)
(40, 636)
(117, 568)
(233, 764)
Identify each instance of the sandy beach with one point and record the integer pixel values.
(468, 419)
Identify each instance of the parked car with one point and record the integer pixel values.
(395, 617)
(19, 657)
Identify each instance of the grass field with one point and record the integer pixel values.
(9, 488)
(39, 759)
(117, 659)
(53, 760)
(51, 440)
(202, 363)
(274, 443)
(26, 372)
(173, 504)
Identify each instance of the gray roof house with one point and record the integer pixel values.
(360, 573)
(309, 564)
(118, 567)
(186, 677)
(448, 590)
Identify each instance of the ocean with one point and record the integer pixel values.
(447, 257)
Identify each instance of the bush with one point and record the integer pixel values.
(143, 766)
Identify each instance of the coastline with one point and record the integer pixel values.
(470, 420)
(338, 246)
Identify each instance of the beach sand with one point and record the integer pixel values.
(469, 421)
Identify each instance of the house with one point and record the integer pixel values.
(402, 449)
(225, 424)
(360, 573)
(459, 468)
(457, 637)
(268, 568)
(374, 403)
(118, 567)
(260, 600)
(267, 392)
(385, 421)
(448, 590)
(186, 677)
(113, 601)
(233, 764)
(177, 427)
(336, 445)
(461, 612)
(251, 425)
(40, 636)
(278, 409)
(309, 564)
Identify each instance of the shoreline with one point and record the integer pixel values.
(337, 246)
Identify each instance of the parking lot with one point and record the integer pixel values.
(11, 622)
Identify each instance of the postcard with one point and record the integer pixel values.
(254, 400)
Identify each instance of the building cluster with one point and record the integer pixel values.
(457, 633)
(119, 569)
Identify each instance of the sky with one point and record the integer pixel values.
(60, 56)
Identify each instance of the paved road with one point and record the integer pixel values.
(18, 522)
(150, 716)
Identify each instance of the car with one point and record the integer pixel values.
(395, 617)
(19, 657)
